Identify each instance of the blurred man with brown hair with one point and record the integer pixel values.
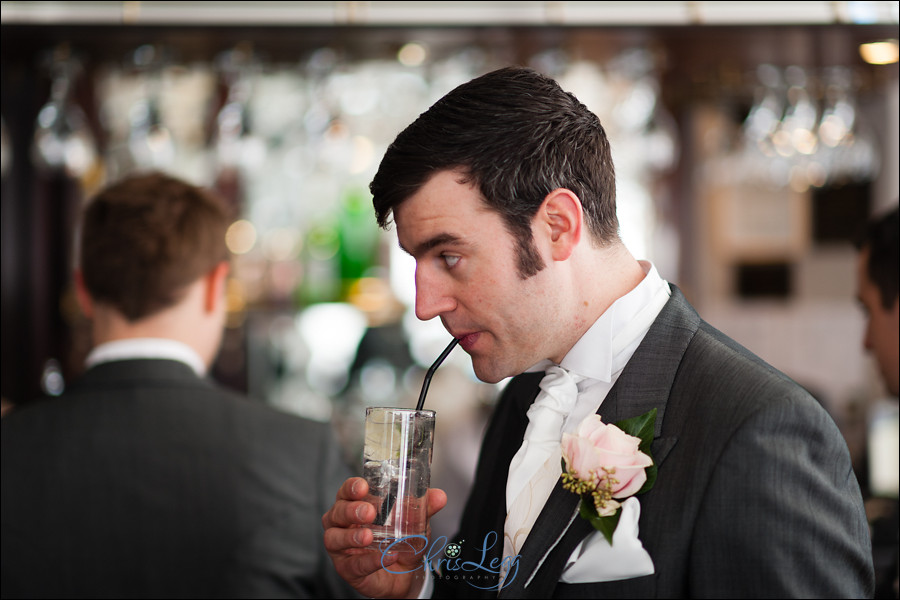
(877, 291)
(146, 479)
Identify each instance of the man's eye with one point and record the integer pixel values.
(450, 259)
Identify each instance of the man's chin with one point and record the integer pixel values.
(489, 373)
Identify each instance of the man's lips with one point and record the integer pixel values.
(467, 340)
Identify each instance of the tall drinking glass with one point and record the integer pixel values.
(397, 467)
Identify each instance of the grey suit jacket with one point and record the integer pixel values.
(755, 495)
(144, 480)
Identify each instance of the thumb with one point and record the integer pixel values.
(437, 500)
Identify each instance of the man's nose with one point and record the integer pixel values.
(432, 298)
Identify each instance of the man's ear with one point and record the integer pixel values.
(214, 290)
(562, 217)
(85, 301)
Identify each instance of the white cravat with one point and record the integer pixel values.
(536, 466)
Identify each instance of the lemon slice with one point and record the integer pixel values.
(383, 441)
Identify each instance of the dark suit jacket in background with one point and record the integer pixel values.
(755, 495)
(146, 481)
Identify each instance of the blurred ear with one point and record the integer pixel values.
(214, 290)
(85, 302)
(562, 216)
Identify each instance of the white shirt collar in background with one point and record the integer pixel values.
(153, 348)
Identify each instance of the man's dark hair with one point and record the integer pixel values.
(880, 237)
(145, 239)
(517, 136)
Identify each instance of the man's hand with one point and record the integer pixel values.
(364, 568)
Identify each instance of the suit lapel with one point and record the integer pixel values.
(643, 385)
(481, 530)
(648, 377)
(558, 514)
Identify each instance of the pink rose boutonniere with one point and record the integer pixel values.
(605, 463)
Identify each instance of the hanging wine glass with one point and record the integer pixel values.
(149, 141)
(838, 114)
(62, 139)
(848, 143)
(236, 143)
(797, 131)
(764, 117)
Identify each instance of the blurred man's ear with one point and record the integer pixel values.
(215, 286)
(85, 302)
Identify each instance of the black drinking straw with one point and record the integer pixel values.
(431, 371)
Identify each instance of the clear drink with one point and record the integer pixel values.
(397, 467)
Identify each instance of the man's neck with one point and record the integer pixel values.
(607, 274)
(109, 325)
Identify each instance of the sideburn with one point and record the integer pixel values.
(530, 261)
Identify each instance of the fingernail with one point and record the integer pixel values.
(355, 488)
(360, 512)
(357, 538)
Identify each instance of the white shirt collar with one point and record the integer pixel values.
(595, 356)
(153, 348)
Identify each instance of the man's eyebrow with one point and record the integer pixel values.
(438, 240)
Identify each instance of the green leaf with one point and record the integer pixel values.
(605, 525)
(643, 427)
